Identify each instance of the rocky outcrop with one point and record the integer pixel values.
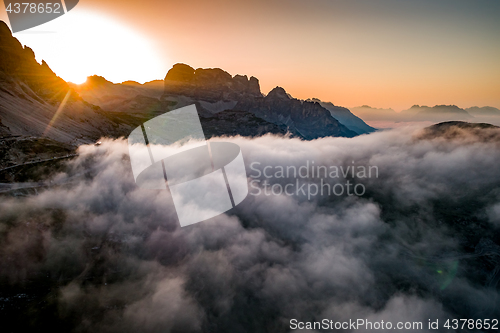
(211, 84)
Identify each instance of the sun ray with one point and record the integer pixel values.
(58, 112)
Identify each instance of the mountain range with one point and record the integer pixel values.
(437, 113)
(216, 92)
(35, 102)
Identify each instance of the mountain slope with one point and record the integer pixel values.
(345, 117)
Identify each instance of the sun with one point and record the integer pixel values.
(84, 43)
(76, 78)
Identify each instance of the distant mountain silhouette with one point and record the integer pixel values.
(436, 113)
(487, 111)
(367, 113)
(425, 114)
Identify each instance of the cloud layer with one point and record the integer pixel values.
(99, 254)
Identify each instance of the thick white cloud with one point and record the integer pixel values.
(120, 261)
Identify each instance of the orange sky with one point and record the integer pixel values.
(386, 53)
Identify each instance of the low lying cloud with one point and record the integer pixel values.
(99, 254)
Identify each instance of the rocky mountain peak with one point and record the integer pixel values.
(254, 85)
(278, 93)
(204, 76)
(240, 80)
(209, 84)
(180, 73)
(96, 80)
(451, 108)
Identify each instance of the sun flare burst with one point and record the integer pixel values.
(81, 43)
